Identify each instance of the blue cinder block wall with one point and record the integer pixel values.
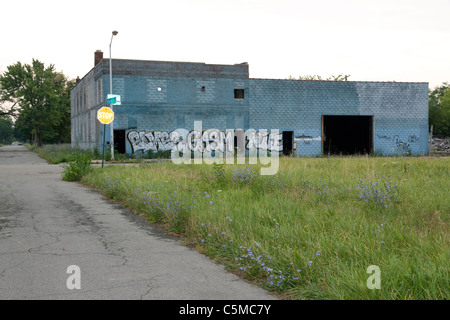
(166, 96)
(174, 95)
(399, 110)
(167, 104)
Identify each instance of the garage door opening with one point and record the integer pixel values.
(346, 135)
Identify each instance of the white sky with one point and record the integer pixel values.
(370, 40)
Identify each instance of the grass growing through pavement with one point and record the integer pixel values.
(312, 230)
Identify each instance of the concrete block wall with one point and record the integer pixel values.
(158, 95)
(168, 103)
(179, 102)
(86, 98)
(399, 110)
(171, 95)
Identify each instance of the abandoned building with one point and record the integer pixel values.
(313, 117)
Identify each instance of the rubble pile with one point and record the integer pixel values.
(440, 145)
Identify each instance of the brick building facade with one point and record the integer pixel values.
(313, 117)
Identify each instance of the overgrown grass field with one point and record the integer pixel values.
(311, 231)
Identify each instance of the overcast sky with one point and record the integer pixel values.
(370, 40)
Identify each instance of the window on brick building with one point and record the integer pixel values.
(239, 94)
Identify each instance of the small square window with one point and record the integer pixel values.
(159, 89)
(239, 94)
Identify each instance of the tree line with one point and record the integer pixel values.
(439, 109)
(38, 99)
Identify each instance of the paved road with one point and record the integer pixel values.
(47, 225)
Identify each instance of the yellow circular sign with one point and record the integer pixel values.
(105, 115)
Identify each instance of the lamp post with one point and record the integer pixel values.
(114, 33)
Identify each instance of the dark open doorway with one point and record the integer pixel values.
(288, 143)
(119, 141)
(347, 134)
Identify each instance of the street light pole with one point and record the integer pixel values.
(114, 33)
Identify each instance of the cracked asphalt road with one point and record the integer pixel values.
(47, 225)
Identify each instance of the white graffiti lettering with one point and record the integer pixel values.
(207, 141)
(154, 140)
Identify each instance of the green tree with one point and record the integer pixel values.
(439, 109)
(40, 96)
(6, 130)
(445, 112)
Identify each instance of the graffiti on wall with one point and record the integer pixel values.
(400, 145)
(307, 139)
(211, 140)
(413, 139)
(153, 140)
